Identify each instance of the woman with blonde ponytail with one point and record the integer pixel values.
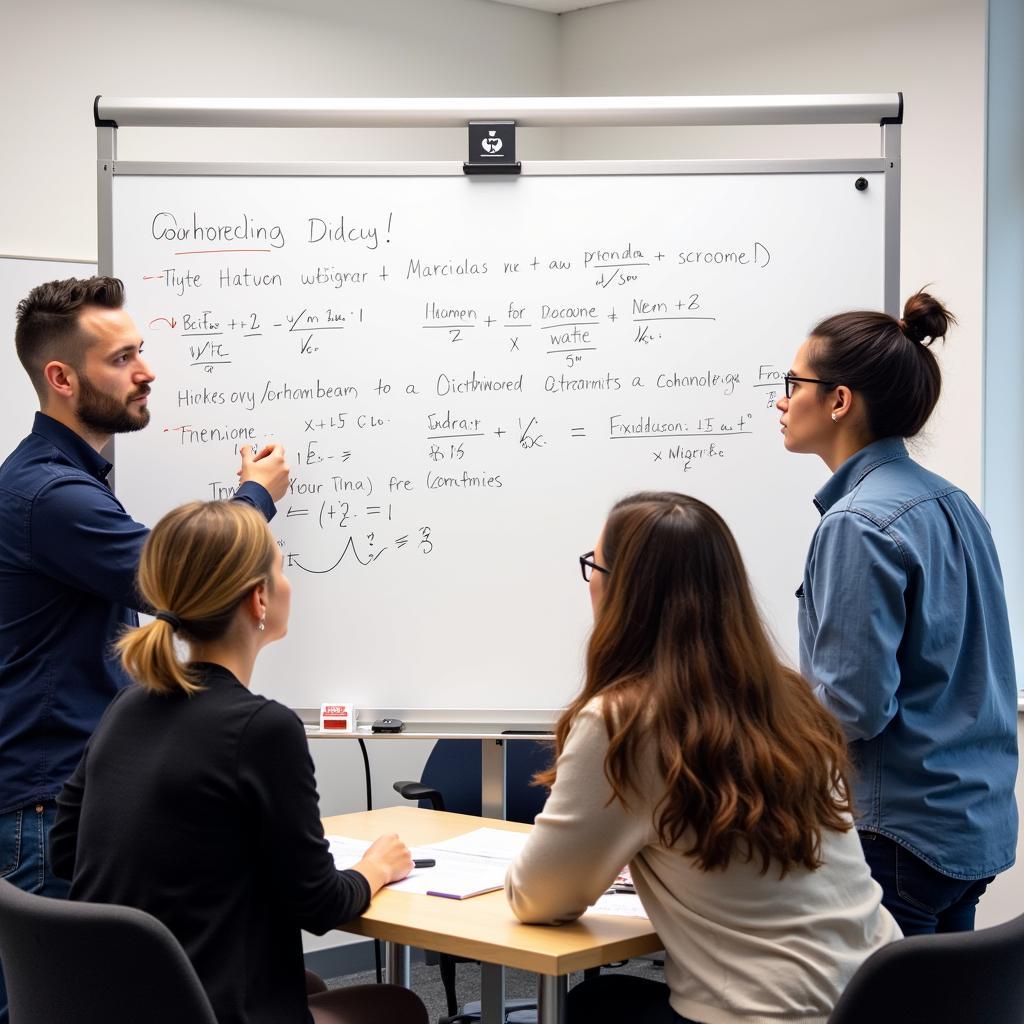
(196, 592)
(902, 617)
(195, 798)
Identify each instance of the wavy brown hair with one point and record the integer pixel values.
(753, 766)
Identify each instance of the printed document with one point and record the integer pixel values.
(466, 865)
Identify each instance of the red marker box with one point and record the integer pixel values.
(337, 718)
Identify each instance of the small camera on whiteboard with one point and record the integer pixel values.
(337, 718)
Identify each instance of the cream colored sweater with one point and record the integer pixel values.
(740, 946)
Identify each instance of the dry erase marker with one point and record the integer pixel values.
(427, 862)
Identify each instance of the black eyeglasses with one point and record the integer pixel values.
(588, 566)
(791, 380)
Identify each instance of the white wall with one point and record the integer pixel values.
(56, 56)
(1005, 897)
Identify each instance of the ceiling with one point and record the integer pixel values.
(557, 6)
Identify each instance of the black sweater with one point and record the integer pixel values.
(203, 811)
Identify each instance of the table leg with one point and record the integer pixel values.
(551, 992)
(492, 771)
(492, 994)
(397, 964)
(492, 805)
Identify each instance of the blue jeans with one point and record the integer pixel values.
(24, 859)
(923, 901)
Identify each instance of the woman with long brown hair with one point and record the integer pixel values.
(195, 798)
(695, 756)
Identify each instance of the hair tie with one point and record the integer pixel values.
(170, 618)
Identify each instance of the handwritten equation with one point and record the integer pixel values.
(407, 384)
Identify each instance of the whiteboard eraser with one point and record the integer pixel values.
(337, 718)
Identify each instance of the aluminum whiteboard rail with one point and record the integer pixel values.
(527, 112)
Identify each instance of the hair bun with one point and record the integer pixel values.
(925, 317)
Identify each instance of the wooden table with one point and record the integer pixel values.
(484, 927)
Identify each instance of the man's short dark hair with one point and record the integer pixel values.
(48, 326)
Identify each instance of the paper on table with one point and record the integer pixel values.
(467, 865)
(495, 843)
(456, 876)
(619, 904)
(346, 852)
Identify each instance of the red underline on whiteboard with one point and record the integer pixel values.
(200, 252)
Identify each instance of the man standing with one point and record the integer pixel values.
(69, 553)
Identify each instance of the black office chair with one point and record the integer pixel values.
(451, 781)
(940, 979)
(452, 778)
(86, 963)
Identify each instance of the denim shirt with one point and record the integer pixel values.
(68, 557)
(904, 635)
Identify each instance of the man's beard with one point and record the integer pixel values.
(98, 411)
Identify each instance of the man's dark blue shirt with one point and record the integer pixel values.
(68, 558)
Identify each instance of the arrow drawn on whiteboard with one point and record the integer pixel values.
(349, 546)
(172, 323)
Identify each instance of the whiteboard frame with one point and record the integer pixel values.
(886, 110)
(545, 168)
(527, 111)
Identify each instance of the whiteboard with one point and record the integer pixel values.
(18, 276)
(466, 373)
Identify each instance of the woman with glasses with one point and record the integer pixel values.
(195, 798)
(693, 755)
(903, 624)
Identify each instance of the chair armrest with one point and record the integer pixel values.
(417, 791)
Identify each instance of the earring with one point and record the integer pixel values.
(834, 418)
(262, 625)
